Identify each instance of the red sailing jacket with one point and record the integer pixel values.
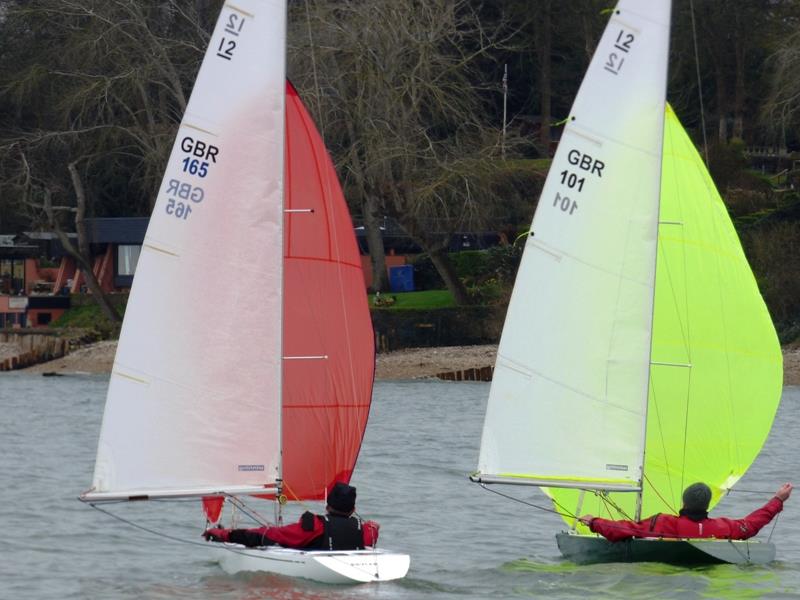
(288, 536)
(670, 526)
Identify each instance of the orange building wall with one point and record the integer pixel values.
(33, 313)
(392, 260)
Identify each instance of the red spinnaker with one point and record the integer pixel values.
(325, 400)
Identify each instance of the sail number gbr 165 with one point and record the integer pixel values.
(573, 179)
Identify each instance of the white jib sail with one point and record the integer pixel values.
(568, 398)
(194, 399)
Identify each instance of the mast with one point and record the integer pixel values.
(646, 399)
(282, 236)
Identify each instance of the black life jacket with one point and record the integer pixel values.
(341, 533)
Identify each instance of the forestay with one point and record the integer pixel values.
(568, 400)
(193, 404)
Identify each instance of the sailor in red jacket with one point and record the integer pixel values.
(338, 529)
(693, 521)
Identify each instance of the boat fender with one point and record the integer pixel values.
(307, 521)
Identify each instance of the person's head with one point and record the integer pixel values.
(696, 497)
(342, 499)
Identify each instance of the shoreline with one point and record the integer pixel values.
(410, 363)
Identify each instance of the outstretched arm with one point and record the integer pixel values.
(743, 529)
(616, 531)
(295, 535)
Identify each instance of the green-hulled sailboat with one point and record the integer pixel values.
(638, 355)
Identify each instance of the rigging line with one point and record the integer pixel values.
(606, 504)
(742, 554)
(147, 529)
(566, 513)
(296, 498)
(686, 429)
(663, 441)
(774, 524)
(656, 492)
(606, 499)
(699, 83)
(246, 510)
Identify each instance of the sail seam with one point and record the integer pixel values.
(531, 372)
(539, 245)
(618, 142)
(325, 260)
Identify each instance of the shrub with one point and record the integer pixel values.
(426, 277)
(774, 254)
(502, 262)
(470, 266)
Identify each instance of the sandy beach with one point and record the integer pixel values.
(411, 363)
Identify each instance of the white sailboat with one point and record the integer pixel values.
(637, 355)
(246, 358)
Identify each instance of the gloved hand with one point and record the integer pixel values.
(216, 534)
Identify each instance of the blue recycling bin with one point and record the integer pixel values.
(401, 279)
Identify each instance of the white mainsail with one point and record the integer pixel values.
(194, 403)
(574, 357)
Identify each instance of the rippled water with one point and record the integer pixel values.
(421, 440)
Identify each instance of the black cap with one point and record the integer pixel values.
(342, 497)
(696, 497)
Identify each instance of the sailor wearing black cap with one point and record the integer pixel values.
(338, 529)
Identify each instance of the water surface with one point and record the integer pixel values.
(421, 440)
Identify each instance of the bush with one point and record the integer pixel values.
(490, 292)
(90, 317)
(470, 266)
(774, 254)
(426, 277)
(503, 262)
(492, 268)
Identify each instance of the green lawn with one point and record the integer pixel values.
(421, 300)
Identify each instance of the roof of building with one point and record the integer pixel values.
(126, 230)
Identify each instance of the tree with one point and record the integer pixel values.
(403, 105)
(94, 91)
(781, 111)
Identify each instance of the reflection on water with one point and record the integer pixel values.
(421, 441)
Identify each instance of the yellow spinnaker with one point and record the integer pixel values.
(716, 366)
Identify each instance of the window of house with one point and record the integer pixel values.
(12, 275)
(127, 257)
(43, 318)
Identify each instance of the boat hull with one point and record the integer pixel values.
(587, 549)
(349, 566)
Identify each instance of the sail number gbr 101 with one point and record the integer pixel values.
(582, 165)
